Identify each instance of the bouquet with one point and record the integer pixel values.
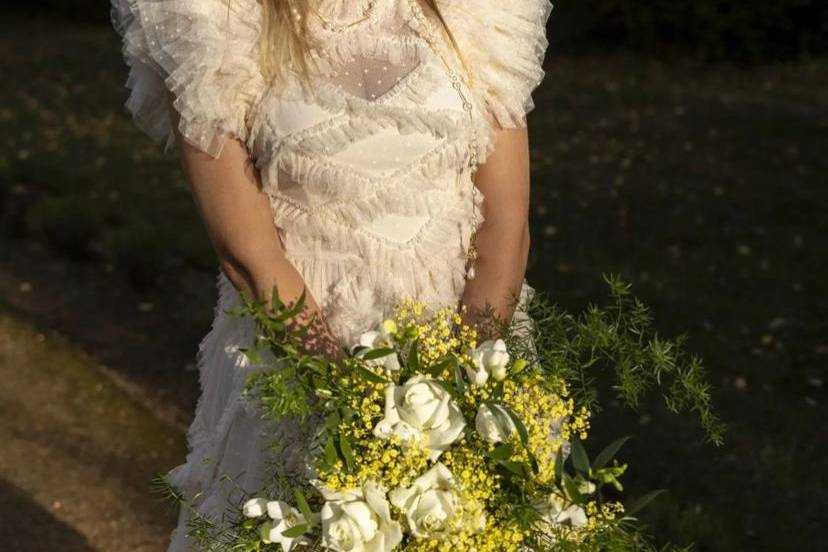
(427, 437)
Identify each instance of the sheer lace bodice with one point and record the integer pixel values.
(367, 161)
(367, 165)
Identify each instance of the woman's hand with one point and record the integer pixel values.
(236, 212)
(502, 241)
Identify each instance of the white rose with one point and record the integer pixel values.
(255, 507)
(379, 339)
(554, 511)
(490, 358)
(423, 410)
(359, 520)
(283, 517)
(477, 373)
(430, 503)
(494, 424)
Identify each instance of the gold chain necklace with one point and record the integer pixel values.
(429, 35)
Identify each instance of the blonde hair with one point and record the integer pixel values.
(285, 37)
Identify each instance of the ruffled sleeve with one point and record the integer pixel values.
(201, 52)
(504, 43)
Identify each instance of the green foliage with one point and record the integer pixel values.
(618, 339)
(560, 346)
(140, 249)
(71, 223)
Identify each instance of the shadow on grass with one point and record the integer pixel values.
(34, 529)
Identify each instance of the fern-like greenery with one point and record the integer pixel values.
(618, 341)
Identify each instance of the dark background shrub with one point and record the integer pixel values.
(710, 29)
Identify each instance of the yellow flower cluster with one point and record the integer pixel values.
(479, 484)
(440, 332)
(383, 461)
(549, 416)
(495, 537)
(599, 515)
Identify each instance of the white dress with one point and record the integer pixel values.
(367, 166)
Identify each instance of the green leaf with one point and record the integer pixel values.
(332, 422)
(275, 302)
(502, 452)
(533, 462)
(517, 468)
(295, 531)
(295, 309)
(302, 502)
(459, 382)
(638, 505)
(609, 453)
(413, 360)
(572, 490)
(521, 429)
(347, 452)
(559, 462)
(330, 453)
(580, 459)
(369, 375)
(437, 369)
(374, 354)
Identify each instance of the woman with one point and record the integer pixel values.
(350, 146)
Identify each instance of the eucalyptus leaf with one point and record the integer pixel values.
(413, 360)
(519, 426)
(459, 382)
(330, 453)
(580, 459)
(638, 505)
(347, 452)
(572, 490)
(374, 354)
(304, 507)
(502, 452)
(609, 453)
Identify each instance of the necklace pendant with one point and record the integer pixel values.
(471, 256)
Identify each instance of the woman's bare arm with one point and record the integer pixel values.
(502, 240)
(237, 214)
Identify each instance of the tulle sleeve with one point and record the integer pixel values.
(202, 54)
(504, 43)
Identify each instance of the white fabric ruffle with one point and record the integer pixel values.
(503, 43)
(203, 53)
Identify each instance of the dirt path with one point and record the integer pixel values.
(77, 453)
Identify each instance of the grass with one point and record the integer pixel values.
(70, 478)
(702, 185)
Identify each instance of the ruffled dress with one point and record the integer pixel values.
(367, 161)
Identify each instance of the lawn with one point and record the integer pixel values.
(702, 185)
